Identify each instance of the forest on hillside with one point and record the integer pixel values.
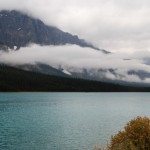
(12, 79)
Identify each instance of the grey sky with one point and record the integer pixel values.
(115, 25)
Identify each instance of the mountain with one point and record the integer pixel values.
(12, 79)
(19, 30)
(87, 74)
(43, 68)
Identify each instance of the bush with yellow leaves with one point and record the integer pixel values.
(135, 136)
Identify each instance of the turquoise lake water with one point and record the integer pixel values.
(66, 121)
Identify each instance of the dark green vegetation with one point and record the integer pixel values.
(12, 79)
(135, 136)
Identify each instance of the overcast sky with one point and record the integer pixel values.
(114, 25)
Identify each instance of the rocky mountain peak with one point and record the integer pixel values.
(19, 30)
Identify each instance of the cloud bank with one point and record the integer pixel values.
(76, 59)
(114, 25)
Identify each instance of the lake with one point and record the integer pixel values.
(66, 121)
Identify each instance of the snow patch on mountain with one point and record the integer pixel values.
(66, 72)
(15, 47)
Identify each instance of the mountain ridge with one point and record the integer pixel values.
(18, 30)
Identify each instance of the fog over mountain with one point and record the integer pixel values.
(121, 27)
(75, 59)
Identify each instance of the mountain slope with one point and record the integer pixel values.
(42, 68)
(18, 30)
(12, 79)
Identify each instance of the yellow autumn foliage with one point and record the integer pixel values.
(135, 136)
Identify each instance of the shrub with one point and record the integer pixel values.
(135, 136)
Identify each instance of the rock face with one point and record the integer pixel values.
(19, 30)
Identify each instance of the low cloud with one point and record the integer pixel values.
(75, 59)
